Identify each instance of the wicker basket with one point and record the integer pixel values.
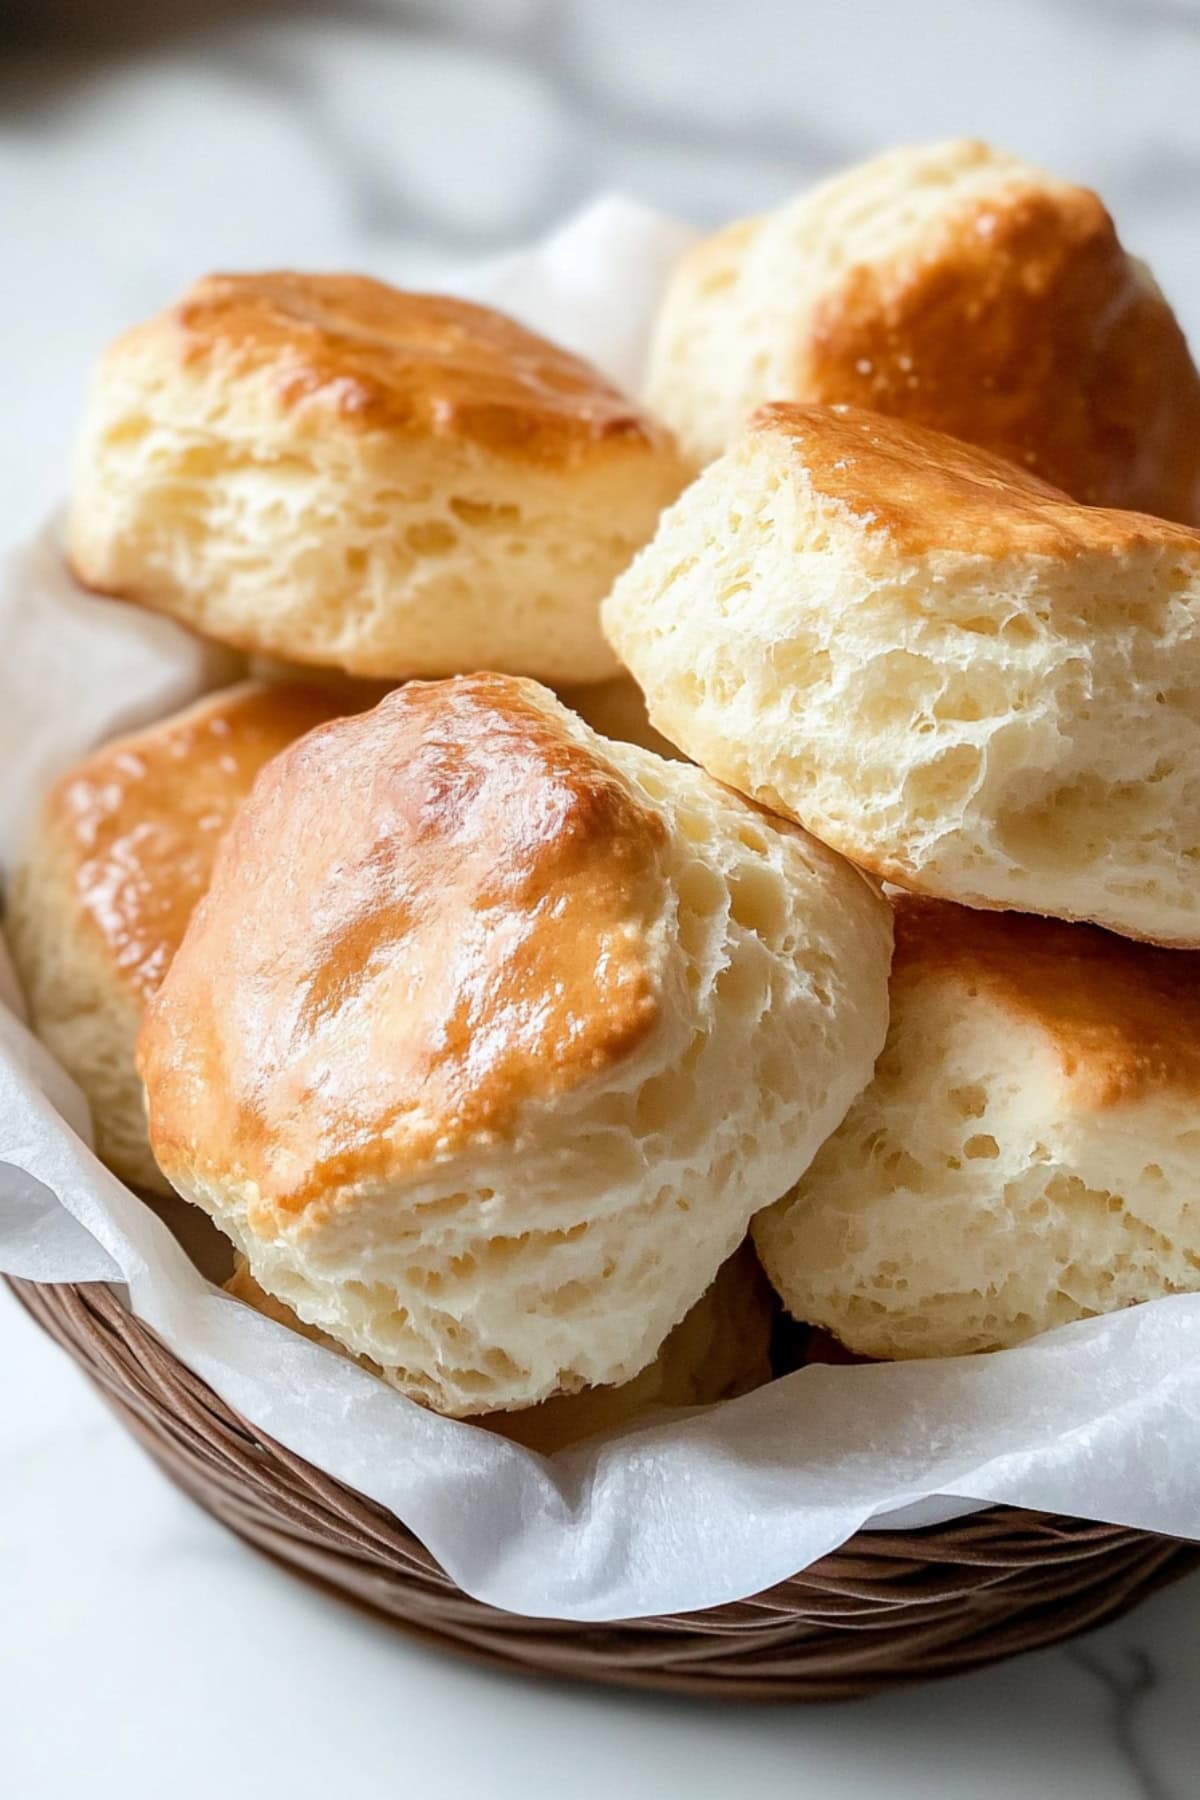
(888, 1608)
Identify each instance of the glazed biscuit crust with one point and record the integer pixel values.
(384, 360)
(1023, 326)
(487, 942)
(140, 820)
(955, 287)
(122, 851)
(1122, 1020)
(914, 491)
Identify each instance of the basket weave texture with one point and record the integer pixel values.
(886, 1609)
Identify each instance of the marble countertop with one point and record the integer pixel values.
(142, 1650)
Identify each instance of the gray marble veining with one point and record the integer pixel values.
(1130, 1676)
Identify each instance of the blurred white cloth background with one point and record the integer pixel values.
(147, 141)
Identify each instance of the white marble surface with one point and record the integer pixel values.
(142, 1651)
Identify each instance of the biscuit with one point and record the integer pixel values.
(322, 469)
(945, 669)
(720, 1349)
(1026, 1153)
(490, 1036)
(122, 850)
(956, 287)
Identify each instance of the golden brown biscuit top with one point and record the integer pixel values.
(425, 917)
(1024, 326)
(141, 818)
(917, 490)
(1123, 1018)
(420, 364)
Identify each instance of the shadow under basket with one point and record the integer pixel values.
(886, 1609)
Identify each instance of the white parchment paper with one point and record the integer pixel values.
(1100, 1419)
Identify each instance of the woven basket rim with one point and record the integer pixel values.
(889, 1607)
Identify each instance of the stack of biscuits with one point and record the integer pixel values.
(655, 843)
